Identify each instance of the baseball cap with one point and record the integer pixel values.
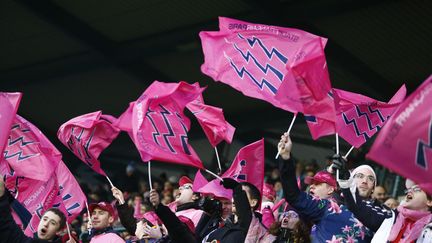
(104, 206)
(185, 180)
(321, 177)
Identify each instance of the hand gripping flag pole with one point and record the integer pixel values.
(289, 130)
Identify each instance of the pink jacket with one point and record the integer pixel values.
(257, 233)
(192, 214)
(107, 238)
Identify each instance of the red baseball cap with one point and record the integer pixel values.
(321, 177)
(185, 180)
(105, 206)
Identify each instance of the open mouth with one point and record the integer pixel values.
(43, 231)
(409, 196)
(312, 193)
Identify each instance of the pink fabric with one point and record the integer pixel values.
(267, 216)
(319, 127)
(159, 127)
(37, 198)
(9, 103)
(420, 220)
(199, 181)
(248, 166)
(264, 62)
(258, 233)
(29, 152)
(360, 117)
(192, 214)
(212, 121)
(87, 136)
(71, 199)
(107, 238)
(404, 143)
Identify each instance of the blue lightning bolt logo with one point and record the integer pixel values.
(356, 129)
(156, 132)
(241, 72)
(21, 142)
(183, 137)
(265, 69)
(268, 53)
(170, 133)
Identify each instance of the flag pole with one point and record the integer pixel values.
(110, 182)
(213, 174)
(69, 233)
(149, 175)
(349, 151)
(289, 130)
(88, 213)
(218, 160)
(337, 143)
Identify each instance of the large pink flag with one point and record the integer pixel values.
(87, 136)
(360, 117)
(267, 62)
(159, 127)
(9, 103)
(404, 145)
(248, 166)
(70, 199)
(29, 152)
(62, 191)
(212, 121)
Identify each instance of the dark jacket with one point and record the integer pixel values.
(230, 232)
(9, 230)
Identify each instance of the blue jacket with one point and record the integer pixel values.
(332, 222)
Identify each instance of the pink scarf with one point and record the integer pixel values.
(419, 217)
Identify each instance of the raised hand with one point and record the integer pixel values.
(285, 146)
(154, 198)
(117, 194)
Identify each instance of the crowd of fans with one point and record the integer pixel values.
(298, 203)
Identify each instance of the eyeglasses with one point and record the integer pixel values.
(361, 176)
(413, 189)
(290, 214)
(185, 187)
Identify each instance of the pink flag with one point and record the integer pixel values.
(319, 127)
(29, 152)
(9, 103)
(404, 145)
(70, 199)
(258, 60)
(212, 121)
(360, 117)
(159, 127)
(62, 191)
(247, 166)
(37, 196)
(199, 181)
(87, 136)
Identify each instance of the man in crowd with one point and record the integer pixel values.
(186, 201)
(333, 222)
(102, 218)
(380, 194)
(53, 221)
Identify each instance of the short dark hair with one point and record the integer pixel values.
(61, 215)
(253, 192)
